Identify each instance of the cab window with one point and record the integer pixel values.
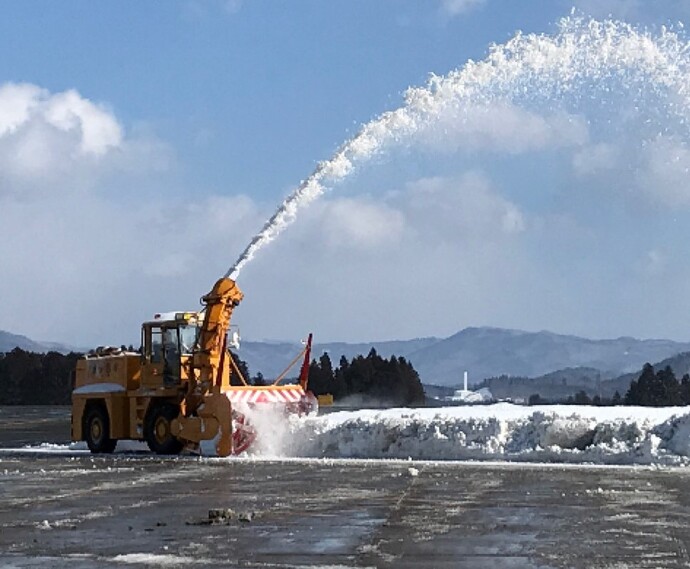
(156, 346)
(188, 338)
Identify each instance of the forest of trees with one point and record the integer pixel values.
(28, 378)
(660, 389)
(580, 398)
(650, 389)
(390, 381)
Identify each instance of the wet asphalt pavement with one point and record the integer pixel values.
(65, 509)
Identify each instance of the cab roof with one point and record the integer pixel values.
(178, 317)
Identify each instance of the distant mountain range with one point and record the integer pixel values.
(483, 352)
(9, 342)
(488, 352)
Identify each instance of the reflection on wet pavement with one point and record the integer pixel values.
(82, 511)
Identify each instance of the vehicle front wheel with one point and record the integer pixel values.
(97, 430)
(158, 432)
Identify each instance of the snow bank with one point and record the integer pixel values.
(498, 432)
(603, 435)
(99, 388)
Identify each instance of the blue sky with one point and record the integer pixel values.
(160, 135)
(235, 87)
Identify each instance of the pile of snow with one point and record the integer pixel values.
(502, 431)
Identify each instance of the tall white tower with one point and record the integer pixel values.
(466, 381)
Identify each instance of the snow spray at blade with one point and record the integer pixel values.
(581, 59)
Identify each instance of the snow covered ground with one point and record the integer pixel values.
(497, 432)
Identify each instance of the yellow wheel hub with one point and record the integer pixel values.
(162, 430)
(96, 430)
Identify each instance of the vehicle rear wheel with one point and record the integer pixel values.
(157, 430)
(97, 430)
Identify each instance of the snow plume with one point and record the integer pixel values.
(270, 423)
(586, 59)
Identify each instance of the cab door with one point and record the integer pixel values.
(171, 357)
(153, 361)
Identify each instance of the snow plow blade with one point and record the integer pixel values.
(213, 421)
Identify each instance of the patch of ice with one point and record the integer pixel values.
(160, 560)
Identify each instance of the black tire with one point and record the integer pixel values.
(97, 430)
(157, 431)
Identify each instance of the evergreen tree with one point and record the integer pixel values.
(242, 366)
(581, 398)
(28, 378)
(535, 399)
(685, 390)
(640, 389)
(666, 388)
(392, 381)
(658, 389)
(321, 375)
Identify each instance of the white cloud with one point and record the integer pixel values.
(458, 7)
(71, 227)
(460, 209)
(664, 172)
(98, 129)
(23, 105)
(90, 268)
(360, 223)
(454, 240)
(653, 173)
(503, 127)
(16, 102)
(64, 142)
(596, 158)
(399, 259)
(398, 265)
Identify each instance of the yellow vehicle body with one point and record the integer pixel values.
(172, 394)
(177, 392)
(325, 400)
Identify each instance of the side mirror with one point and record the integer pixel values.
(234, 340)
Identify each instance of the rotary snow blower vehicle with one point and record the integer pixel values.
(178, 391)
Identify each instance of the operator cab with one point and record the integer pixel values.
(169, 341)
